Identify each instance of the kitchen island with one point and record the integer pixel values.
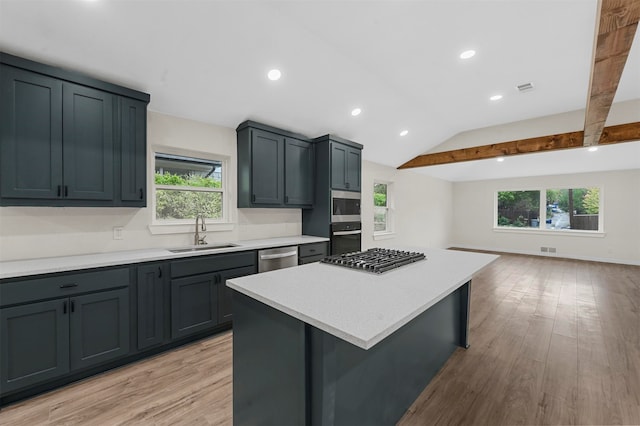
(322, 344)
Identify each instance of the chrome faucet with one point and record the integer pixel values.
(197, 240)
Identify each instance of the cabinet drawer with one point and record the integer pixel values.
(313, 249)
(213, 263)
(310, 259)
(13, 293)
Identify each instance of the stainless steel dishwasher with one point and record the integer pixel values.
(277, 258)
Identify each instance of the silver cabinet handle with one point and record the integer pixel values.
(278, 256)
(359, 231)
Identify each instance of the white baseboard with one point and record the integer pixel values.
(555, 255)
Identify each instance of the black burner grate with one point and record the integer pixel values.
(377, 260)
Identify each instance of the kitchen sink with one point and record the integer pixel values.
(206, 247)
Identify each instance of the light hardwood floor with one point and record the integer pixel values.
(553, 341)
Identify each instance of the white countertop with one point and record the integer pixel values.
(21, 268)
(360, 307)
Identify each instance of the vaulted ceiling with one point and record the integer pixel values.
(396, 60)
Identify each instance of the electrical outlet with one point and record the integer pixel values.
(552, 249)
(117, 233)
(544, 249)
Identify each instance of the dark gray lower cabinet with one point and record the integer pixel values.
(57, 328)
(34, 343)
(150, 304)
(99, 327)
(225, 294)
(194, 304)
(44, 340)
(200, 299)
(313, 252)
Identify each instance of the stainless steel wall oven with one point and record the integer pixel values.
(345, 237)
(345, 206)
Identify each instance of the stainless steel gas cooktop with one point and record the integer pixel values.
(376, 260)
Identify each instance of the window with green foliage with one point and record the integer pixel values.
(575, 208)
(564, 209)
(187, 187)
(519, 209)
(381, 207)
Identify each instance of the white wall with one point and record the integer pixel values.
(422, 208)
(620, 113)
(473, 216)
(33, 232)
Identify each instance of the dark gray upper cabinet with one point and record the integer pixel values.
(345, 167)
(88, 143)
(298, 170)
(133, 151)
(69, 140)
(30, 135)
(338, 166)
(266, 168)
(275, 167)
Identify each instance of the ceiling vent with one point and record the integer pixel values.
(526, 87)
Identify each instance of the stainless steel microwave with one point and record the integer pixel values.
(345, 206)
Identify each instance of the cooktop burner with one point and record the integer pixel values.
(377, 260)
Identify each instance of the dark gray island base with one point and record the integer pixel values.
(288, 372)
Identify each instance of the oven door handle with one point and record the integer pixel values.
(359, 231)
(278, 256)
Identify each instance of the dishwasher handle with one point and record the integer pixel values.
(278, 255)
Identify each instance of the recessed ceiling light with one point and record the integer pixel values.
(495, 97)
(404, 133)
(500, 159)
(356, 111)
(593, 149)
(274, 74)
(467, 54)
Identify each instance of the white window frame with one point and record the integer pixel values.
(389, 231)
(178, 226)
(543, 213)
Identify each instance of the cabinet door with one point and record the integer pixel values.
(133, 151)
(354, 166)
(30, 135)
(88, 143)
(298, 172)
(150, 306)
(338, 166)
(266, 168)
(99, 327)
(225, 294)
(194, 304)
(34, 343)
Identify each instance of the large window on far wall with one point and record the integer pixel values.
(573, 208)
(553, 209)
(519, 209)
(187, 187)
(382, 211)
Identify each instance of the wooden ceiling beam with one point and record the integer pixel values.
(609, 135)
(616, 28)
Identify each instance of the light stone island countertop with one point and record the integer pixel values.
(21, 268)
(361, 307)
